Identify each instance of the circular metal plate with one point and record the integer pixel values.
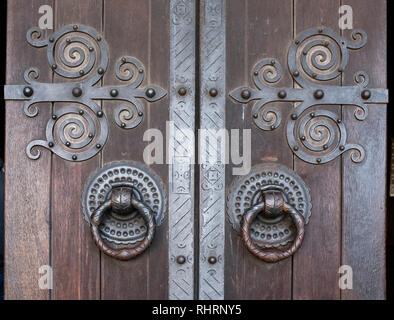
(130, 228)
(245, 191)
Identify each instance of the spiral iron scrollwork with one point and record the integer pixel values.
(79, 131)
(316, 55)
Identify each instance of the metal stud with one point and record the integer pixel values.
(100, 114)
(140, 114)
(77, 92)
(341, 148)
(50, 144)
(28, 91)
(213, 92)
(100, 71)
(123, 125)
(54, 66)
(294, 116)
(74, 157)
(296, 73)
(114, 93)
(181, 259)
(318, 94)
(295, 148)
(98, 146)
(51, 39)
(318, 160)
(282, 94)
(75, 27)
(54, 116)
(212, 260)
(182, 91)
(150, 92)
(255, 116)
(245, 94)
(325, 147)
(312, 115)
(68, 143)
(81, 72)
(366, 94)
(81, 112)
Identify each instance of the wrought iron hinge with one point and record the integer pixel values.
(316, 55)
(79, 52)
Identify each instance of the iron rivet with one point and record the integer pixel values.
(81, 112)
(212, 260)
(282, 94)
(318, 94)
(98, 38)
(182, 91)
(366, 94)
(91, 135)
(318, 160)
(272, 127)
(100, 114)
(341, 148)
(54, 116)
(273, 62)
(296, 73)
(68, 40)
(140, 114)
(325, 147)
(150, 92)
(123, 59)
(303, 138)
(314, 75)
(326, 43)
(295, 148)
(51, 39)
(98, 146)
(28, 91)
(245, 94)
(114, 93)
(100, 70)
(180, 259)
(91, 49)
(304, 52)
(320, 30)
(312, 115)
(68, 143)
(294, 116)
(213, 92)
(296, 41)
(75, 27)
(50, 144)
(74, 157)
(255, 116)
(81, 72)
(54, 66)
(77, 92)
(256, 73)
(123, 125)
(339, 120)
(141, 70)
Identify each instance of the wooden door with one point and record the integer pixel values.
(95, 210)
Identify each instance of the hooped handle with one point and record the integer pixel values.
(273, 204)
(124, 198)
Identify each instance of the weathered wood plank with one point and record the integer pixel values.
(256, 30)
(76, 260)
(27, 182)
(315, 265)
(364, 184)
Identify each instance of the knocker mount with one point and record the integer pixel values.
(79, 52)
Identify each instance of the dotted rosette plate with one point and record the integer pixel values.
(243, 193)
(130, 228)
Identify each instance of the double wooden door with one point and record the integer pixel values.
(113, 118)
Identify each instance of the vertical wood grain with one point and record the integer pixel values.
(76, 260)
(316, 264)
(364, 184)
(27, 182)
(256, 30)
(138, 28)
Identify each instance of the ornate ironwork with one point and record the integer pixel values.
(181, 150)
(114, 198)
(315, 56)
(212, 171)
(79, 52)
(246, 191)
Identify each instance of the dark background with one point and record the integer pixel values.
(390, 132)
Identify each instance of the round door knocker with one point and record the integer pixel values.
(123, 202)
(270, 207)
